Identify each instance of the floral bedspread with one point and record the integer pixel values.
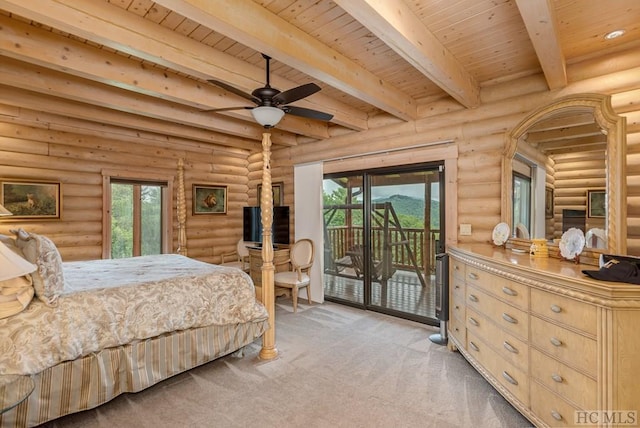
(107, 303)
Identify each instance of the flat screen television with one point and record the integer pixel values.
(252, 225)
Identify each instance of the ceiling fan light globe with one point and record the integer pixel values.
(267, 116)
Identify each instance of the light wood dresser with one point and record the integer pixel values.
(562, 348)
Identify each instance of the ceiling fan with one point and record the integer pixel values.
(271, 104)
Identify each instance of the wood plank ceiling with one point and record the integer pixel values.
(144, 65)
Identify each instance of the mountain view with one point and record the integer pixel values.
(410, 211)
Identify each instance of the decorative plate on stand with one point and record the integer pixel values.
(500, 234)
(571, 244)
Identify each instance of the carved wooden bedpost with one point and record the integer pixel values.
(268, 350)
(182, 211)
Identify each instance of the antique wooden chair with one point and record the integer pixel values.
(238, 258)
(300, 260)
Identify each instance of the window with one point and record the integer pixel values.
(521, 200)
(137, 220)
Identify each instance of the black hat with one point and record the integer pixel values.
(616, 270)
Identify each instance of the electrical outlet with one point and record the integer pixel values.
(465, 229)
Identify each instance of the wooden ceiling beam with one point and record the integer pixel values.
(30, 44)
(111, 26)
(24, 99)
(249, 23)
(395, 24)
(582, 143)
(48, 82)
(539, 19)
(588, 130)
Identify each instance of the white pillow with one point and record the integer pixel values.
(48, 280)
(15, 295)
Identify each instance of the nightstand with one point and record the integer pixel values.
(14, 389)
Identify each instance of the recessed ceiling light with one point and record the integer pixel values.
(614, 34)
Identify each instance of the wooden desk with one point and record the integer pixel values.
(280, 255)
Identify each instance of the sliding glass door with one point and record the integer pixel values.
(343, 234)
(382, 232)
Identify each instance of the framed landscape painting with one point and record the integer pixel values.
(209, 199)
(596, 203)
(548, 202)
(30, 200)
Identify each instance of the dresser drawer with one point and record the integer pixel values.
(551, 408)
(572, 348)
(563, 380)
(512, 292)
(458, 290)
(457, 330)
(508, 346)
(507, 317)
(579, 315)
(457, 269)
(509, 376)
(458, 309)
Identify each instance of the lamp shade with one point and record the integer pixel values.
(267, 116)
(12, 265)
(4, 211)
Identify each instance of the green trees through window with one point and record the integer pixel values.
(136, 219)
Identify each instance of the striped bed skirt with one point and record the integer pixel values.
(89, 381)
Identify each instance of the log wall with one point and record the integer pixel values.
(76, 159)
(574, 175)
(481, 134)
(32, 148)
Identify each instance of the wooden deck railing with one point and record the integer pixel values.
(422, 244)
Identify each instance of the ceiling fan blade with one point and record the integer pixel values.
(236, 91)
(307, 112)
(296, 94)
(225, 109)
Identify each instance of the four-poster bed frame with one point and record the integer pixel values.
(268, 350)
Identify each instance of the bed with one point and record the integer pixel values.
(97, 329)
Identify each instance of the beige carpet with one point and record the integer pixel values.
(338, 367)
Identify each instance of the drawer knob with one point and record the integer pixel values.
(473, 297)
(555, 308)
(509, 347)
(555, 415)
(556, 377)
(457, 307)
(509, 379)
(508, 318)
(474, 346)
(473, 276)
(456, 267)
(509, 291)
(473, 321)
(555, 341)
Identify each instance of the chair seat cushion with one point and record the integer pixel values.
(291, 279)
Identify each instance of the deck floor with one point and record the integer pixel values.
(403, 292)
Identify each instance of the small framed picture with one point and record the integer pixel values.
(548, 202)
(209, 199)
(278, 193)
(596, 203)
(31, 199)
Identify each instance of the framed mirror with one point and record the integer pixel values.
(574, 150)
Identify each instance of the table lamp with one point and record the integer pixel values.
(4, 211)
(12, 265)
